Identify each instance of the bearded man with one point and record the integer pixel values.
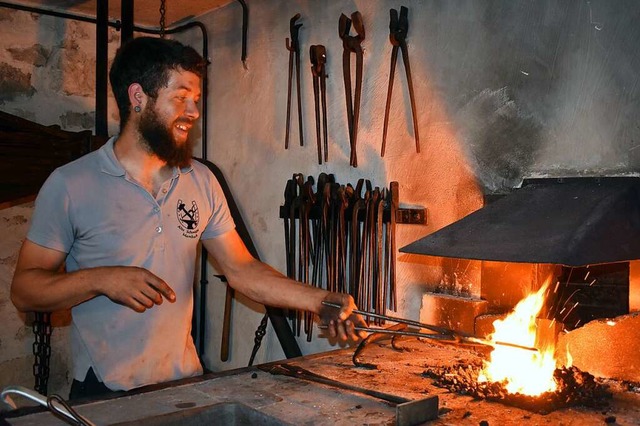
(114, 234)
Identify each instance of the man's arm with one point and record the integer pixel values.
(40, 284)
(265, 285)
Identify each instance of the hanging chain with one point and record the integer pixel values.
(257, 341)
(42, 351)
(163, 11)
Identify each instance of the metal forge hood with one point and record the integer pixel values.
(572, 221)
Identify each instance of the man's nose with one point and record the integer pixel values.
(192, 110)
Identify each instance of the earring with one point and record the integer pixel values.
(137, 108)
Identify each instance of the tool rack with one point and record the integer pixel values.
(324, 248)
(403, 215)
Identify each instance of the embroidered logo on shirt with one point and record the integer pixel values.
(188, 216)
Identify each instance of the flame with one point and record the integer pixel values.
(525, 372)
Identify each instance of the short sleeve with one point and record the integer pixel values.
(51, 221)
(221, 219)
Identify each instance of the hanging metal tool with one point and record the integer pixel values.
(318, 56)
(341, 238)
(393, 202)
(293, 46)
(352, 44)
(398, 28)
(226, 321)
(245, 28)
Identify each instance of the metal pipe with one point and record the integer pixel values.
(53, 403)
(102, 65)
(48, 12)
(127, 15)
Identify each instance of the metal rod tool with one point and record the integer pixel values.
(398, 28)
(293, 47)
(445, 334)
(352, 44)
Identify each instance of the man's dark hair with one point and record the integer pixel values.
(147, 61)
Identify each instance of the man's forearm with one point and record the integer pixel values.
(265, 285)
(46, 291)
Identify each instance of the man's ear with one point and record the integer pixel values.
(137, 97)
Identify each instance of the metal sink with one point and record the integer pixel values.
(229, 413)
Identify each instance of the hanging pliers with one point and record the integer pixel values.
(398, 28)
(352, 44)
(294, 56)
(318, 57)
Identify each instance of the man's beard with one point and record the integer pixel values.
(159, 139)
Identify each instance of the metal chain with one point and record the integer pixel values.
(42, 351)
(163, 11)
(257, 340)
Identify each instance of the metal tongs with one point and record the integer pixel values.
(58, 406)
(444, 334)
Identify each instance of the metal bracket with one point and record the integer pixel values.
(416, 216)
(417, 412)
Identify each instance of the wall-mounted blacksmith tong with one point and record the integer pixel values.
(352, 44)
(398, 28)
(294, 57)
(318, 56)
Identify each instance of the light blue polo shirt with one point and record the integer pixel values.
(92, 210)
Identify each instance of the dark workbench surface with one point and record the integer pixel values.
(295, 401)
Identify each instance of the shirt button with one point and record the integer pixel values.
(164, 190)
(156, 209)
(159, 229)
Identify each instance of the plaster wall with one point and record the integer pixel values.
(505, 90)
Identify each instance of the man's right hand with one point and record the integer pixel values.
(40, 283)
(134, 287)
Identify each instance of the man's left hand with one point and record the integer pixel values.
(342, 322)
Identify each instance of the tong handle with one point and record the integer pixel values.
(447, 337)
(394, 319)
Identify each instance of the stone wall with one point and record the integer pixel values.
(47, 75)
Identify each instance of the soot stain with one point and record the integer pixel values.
(501, 139)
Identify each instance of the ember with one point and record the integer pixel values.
(575, 387)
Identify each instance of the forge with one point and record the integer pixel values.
(417, 368)
(577, 236)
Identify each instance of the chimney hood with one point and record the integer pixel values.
(568, 221)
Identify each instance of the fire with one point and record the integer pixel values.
(525, 372)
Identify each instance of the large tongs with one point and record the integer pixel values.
(442, 334)
(352, 44)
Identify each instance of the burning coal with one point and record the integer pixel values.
(573, 387)
(527, 379)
